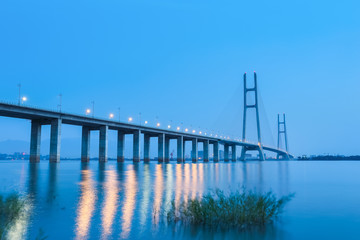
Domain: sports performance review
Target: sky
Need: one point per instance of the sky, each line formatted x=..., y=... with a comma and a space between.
x=182, y=62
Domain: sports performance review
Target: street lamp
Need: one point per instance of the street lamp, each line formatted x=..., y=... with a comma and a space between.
x=111, y=115
x=158, y=124
x=60, y=102
x=88, y=111
x=119, y=113
x=130, y=119
x=93, y=108
x=24, y=99
x=19, y=86
x=146, y=122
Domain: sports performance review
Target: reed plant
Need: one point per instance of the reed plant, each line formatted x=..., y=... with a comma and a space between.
x=235, y=209
x=11, y=209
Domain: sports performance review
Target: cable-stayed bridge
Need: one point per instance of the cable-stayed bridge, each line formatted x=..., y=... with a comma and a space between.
x=55, y=119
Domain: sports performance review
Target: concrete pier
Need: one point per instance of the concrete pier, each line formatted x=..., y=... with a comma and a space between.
x=55, y=140
x=206, y=150
x=85, y=144
x=184, y=147
x=161, y=147
x=261, y=153
x=216, y=151
x=146, y=148
x=180, y=149
x=167, y=149
x=120, y=146
x=194, y=152
x=136, y=146
x=233, y=153
x=35, y=140
x=226, y=152
x=103, y=143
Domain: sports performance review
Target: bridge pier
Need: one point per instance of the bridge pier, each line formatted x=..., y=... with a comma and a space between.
x=161, y=147
x=261, y=153
x=226, y=152
x=120, y=146
x=85, y=144
x=206, y=151
x=233, y=153
x=216, y=151
x=180, y=149
x=35, y=140
x=184, y=148
x=194, y=152
x=146, y=148
x=136, y=146
x=257, y=148
x=55, y=140
x=283, y=156
x=167, y=149
x=103, y=143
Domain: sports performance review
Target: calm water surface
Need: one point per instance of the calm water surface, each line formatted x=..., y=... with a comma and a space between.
x=72, y=200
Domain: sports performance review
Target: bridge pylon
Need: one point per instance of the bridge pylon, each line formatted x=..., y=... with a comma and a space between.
x=247, y=106
x=282, y=130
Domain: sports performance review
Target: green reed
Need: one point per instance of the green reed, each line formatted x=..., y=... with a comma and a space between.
x=236, y=209
x=11, y=209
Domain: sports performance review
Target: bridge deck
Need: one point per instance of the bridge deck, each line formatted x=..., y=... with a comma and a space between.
x=46, y=116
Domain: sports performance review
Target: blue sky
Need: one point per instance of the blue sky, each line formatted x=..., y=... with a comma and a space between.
x=183, y=61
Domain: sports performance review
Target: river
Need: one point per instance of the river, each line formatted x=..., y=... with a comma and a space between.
x=74, y=200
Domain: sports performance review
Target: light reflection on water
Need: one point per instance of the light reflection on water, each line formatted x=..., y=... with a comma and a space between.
x=72, y=200
x=110, y=205
x=130, y=189
x=86, y=204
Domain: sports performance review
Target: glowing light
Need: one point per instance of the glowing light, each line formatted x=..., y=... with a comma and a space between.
x=24, y=99
x=111, y=115
x=169, y=126
x=193, y=131
x=86, y=205
x=158, y=124
x=186, y=129
x=88, y=111
x=146, y=122
x=178, y=128
x=130, y=119
x=200, y=132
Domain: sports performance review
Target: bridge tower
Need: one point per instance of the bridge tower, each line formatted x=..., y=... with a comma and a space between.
x=282, y=130
x=246, y=107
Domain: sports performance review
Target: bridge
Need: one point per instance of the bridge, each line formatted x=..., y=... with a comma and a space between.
x=55, y=119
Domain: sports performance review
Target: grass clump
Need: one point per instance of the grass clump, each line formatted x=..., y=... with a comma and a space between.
x=237, y=209
x=11, y=209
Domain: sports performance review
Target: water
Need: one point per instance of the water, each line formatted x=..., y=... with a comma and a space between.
x=72, y=200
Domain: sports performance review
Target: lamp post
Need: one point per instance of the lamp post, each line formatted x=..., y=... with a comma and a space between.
x=119, y=113
x=60, y=102
x=23, y=99
x=19, y=86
